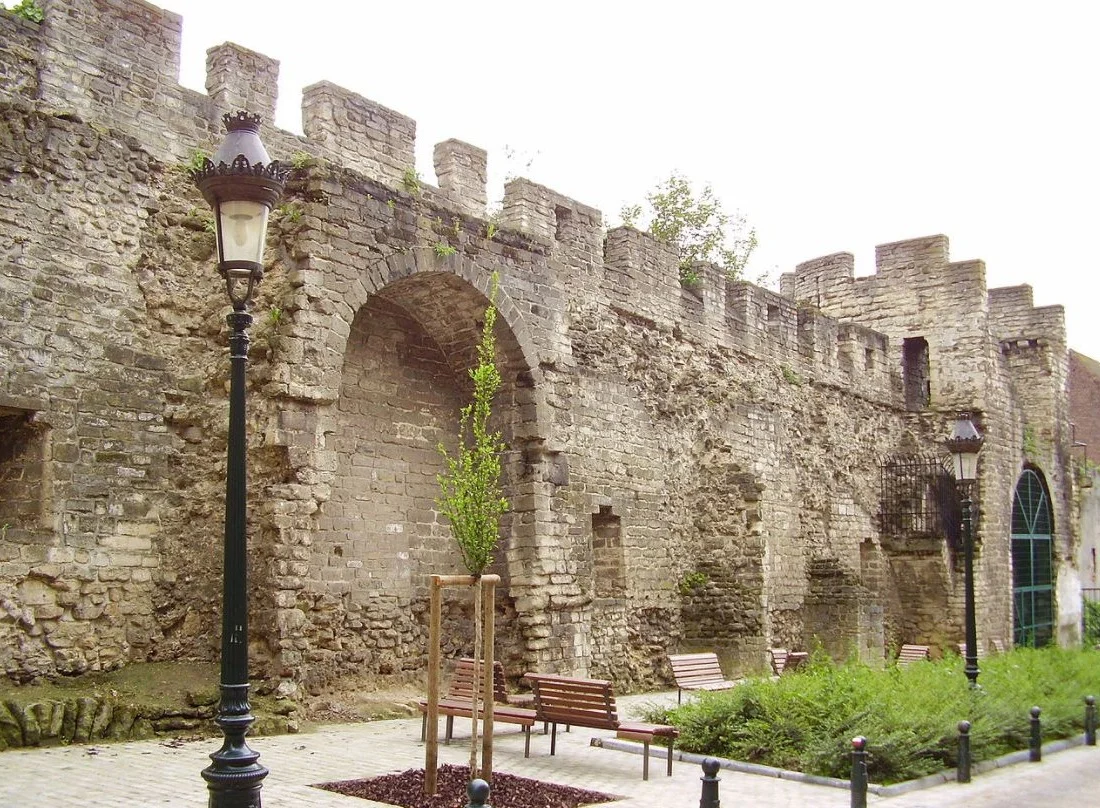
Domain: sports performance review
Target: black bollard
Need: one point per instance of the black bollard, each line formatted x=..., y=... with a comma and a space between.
x=477, y=791
x=1090, y=720
x=962, y=771
x=709, y=798
x=1036, y=745
x=859, y=772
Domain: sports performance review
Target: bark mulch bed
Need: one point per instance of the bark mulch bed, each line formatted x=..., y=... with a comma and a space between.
x=406, y=789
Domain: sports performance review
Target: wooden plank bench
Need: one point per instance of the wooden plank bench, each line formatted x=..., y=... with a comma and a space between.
x=784, y=661
x=591, y=703
x=913, y=653
x=458, y=701
x=962, y=650
x=698, y=672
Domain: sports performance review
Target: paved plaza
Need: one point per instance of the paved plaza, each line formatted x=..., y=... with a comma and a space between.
x=166, y=773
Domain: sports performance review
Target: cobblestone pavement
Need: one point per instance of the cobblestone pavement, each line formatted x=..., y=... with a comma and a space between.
x=166, y=773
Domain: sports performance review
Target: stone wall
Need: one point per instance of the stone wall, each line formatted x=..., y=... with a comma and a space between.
x=687, y=467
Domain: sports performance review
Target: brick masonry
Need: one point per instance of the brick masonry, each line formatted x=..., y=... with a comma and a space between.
x=687, y=467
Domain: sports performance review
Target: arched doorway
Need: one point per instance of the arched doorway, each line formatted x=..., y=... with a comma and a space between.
x=1032, y=562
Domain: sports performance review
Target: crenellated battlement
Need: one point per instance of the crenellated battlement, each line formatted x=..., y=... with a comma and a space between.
x=358, y=133
x=820, y=278
x=239, y=78
x=916, y=264
x=118, y=62
x=548, y=215
x=1013, y=316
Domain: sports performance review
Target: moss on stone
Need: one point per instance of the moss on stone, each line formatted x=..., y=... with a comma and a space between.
x=137, y=702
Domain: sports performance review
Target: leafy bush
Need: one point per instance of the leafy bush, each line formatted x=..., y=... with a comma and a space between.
x=1092, y=623
x=910, y=716
x=696, y=225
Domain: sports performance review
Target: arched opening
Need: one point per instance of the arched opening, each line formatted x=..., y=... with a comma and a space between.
x=1032, y=562
x=379, y=536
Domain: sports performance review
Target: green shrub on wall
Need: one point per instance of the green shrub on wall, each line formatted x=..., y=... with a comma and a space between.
x=27, y=9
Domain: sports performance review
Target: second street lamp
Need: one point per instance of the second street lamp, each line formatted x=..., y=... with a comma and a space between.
x=242, y=184
x=964, y=445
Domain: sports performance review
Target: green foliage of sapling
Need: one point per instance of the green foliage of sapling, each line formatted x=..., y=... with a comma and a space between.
x=470, y=494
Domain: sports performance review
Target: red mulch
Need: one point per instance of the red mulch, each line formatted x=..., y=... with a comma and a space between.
x=406, y=789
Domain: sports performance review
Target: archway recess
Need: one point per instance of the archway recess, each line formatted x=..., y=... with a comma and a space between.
x=380, y=536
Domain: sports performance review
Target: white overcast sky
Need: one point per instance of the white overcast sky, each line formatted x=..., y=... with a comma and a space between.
x=832, y=126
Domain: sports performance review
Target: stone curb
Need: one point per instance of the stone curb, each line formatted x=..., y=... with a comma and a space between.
x=928, y=781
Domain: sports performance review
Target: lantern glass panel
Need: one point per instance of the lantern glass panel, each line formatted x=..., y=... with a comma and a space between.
x=242, y=231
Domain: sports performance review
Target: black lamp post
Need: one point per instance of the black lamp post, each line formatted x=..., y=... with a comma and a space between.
x=964, y=444
x=242, y=184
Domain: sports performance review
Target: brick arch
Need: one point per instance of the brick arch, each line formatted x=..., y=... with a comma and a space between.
x=424, y=260
x=412, y=328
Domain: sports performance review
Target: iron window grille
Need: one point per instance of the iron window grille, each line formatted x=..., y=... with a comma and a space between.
x=919, y=499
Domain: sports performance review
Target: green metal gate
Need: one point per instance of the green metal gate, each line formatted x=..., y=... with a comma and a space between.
x=1032, y=562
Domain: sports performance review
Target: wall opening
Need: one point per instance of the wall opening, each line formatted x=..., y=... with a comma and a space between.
x=22, y=474
x=916, y=373
x=563, y=218
x=608, y=560
x=917, y=499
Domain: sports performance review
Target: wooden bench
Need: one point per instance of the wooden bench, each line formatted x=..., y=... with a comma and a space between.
x=784, y=661
x=698, y=672
x=962, y=650
x=591, y=703
x=458, y=701
x=913, y=653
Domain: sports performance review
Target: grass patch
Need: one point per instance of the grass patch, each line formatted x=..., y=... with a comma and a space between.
x=805, y=721
x=166, y=684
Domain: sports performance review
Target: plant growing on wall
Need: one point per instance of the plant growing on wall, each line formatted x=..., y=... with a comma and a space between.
x=1030, y=442
x=470, y=494
x=696, y=225
x=27, y=9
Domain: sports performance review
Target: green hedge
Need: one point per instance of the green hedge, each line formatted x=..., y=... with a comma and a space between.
x=805, y=721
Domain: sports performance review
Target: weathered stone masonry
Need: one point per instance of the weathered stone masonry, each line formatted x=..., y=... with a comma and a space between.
x=687, y=468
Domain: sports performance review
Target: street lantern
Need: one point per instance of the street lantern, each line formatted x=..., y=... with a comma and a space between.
x=242, y=184
x=964, y=445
